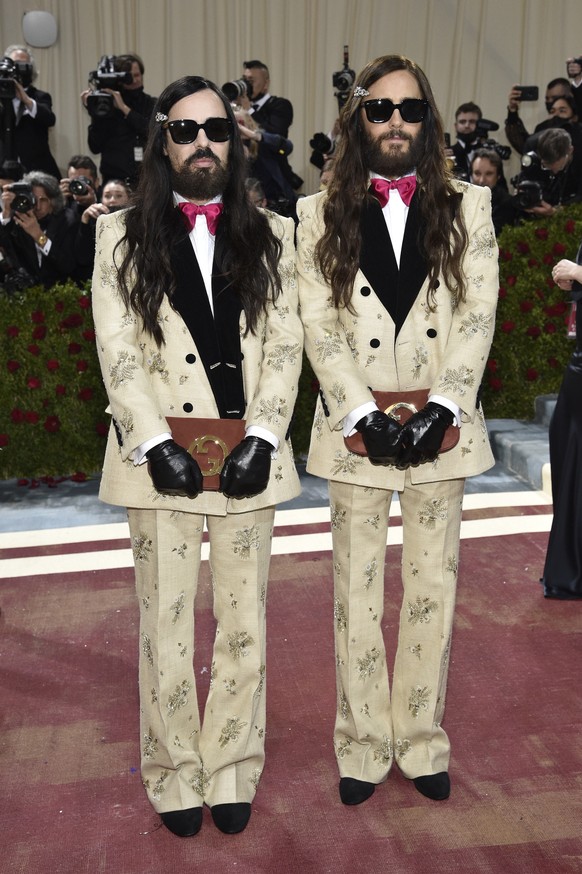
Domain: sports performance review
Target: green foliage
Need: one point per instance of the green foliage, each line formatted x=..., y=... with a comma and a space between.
x=304, y=409
x=52, y=398
x=530, y=347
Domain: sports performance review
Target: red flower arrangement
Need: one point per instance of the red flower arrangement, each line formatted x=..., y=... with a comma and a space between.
x=48, y=354
x=532, y=308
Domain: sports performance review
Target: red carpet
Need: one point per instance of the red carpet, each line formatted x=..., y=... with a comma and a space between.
x=72, y=800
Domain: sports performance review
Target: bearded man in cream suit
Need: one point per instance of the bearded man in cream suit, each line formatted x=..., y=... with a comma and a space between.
x=195, y=307
x=398, y=289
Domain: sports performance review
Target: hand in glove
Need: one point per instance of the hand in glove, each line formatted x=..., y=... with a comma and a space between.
x=422, y=435
x=247, y=468
x=380, y=434
x=173, y=470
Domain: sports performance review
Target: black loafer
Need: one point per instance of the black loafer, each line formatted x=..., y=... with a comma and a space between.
x=184, y=823
x=435, y=786
x=354, y=791
x=231, y=818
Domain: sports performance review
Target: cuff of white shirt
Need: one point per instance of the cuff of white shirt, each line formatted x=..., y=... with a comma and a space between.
x=445, y=402
x=138, y=455
x=354, y=417
x=257, y=431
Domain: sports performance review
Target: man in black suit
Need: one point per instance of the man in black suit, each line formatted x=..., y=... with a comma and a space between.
x=275, y=116
x=28, y=116
x=120, y=135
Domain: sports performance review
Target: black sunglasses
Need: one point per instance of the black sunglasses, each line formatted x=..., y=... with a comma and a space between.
x=185, y=130
x=412, y=110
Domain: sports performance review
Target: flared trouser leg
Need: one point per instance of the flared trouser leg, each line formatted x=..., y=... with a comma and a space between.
x=184, y=763
x=373, y=727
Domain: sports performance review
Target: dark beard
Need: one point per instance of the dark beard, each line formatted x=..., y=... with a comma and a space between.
x=200, y=183
x=395, y=162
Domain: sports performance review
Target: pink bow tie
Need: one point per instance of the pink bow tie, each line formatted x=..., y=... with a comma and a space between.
x=381, y=189
x=191, y=211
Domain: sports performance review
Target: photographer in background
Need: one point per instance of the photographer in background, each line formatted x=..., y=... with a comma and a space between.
x=26, y=116
x=116, y=195
x=515, y=130
x=273, y=115
x=467, y=118
x=550, y=176
x=40, y=228
x=486, y=170
x=119, y=132
x=574, y=71
x=80, y=187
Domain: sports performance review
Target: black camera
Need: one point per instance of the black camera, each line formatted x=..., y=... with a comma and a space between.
x=322, y=146
x=237, y=88
x=80, y=185
x=483, y=129
x=24, y=199
x=11, y=72
x=99, y=102
x=531, y=182
x=343, y=80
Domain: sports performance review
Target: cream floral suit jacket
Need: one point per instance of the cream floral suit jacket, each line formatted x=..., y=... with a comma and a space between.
x=145, y=382
x=444, y=350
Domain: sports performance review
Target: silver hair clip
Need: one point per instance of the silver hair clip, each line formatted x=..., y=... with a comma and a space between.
x=360, y=92
x=161, y=117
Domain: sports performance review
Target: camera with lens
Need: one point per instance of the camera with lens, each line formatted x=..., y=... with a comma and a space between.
x=343, y=80
x=483, y=129
x=99, y=102
x=531, y=182
x=24, y=199
x=80, y=185
x=12, y=72
x=237, y=88
x=321, y=146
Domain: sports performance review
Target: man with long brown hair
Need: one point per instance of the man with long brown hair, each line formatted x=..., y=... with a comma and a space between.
x=398, y=286
x=195, y=305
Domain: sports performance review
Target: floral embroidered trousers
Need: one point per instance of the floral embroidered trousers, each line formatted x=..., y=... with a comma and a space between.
x=185, y=763
x=374, y=727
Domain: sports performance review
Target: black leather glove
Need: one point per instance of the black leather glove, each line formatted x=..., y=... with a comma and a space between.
x=380, y=434
x=247, y=468
x=173, y=470
x=422, y=435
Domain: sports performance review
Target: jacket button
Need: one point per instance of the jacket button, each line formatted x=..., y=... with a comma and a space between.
x=431, y=333
x=436, y=283
x=187, y=408
x=190, y=358
x=374, y=343
x=364, y=291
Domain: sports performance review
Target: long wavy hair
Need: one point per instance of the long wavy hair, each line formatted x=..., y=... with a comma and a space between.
x=444, y=238
x=247, y=252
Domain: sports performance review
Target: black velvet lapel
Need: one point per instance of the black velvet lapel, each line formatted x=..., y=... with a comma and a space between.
x=397, y=289
x=377, y=260
x=413, y=267
x=216, y=337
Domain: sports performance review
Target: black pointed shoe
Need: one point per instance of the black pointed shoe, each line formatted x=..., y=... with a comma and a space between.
x=184, y=823
x=354, y=791
x=231, y=818
x=435, y=786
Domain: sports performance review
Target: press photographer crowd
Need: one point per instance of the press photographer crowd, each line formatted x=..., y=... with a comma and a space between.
x=47, y=228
